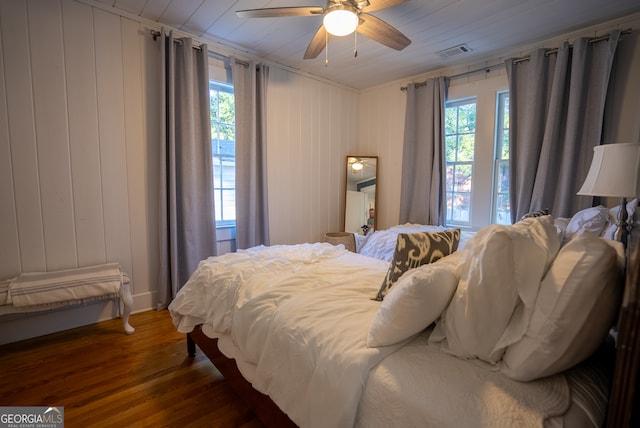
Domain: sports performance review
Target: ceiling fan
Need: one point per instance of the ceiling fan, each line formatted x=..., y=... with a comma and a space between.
x=358, y=164
x=340, y=18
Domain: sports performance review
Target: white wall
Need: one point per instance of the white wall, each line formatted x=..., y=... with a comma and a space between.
x=380, y=133
x=78, y=160
x=311, y=127
x=79, y=110
x=356, y=211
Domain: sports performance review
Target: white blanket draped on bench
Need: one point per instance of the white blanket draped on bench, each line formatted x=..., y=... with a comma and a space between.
x=36, y=291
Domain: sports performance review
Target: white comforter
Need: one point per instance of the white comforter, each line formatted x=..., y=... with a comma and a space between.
x=293, y=319
x=298, y=317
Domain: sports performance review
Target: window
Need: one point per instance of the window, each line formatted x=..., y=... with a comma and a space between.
x=477, y=152
x=501, y=207
x=460, y=129
x=223, y=148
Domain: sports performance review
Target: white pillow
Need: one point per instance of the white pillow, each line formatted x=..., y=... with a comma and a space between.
x=412, y=304
x=575, y=308
x=500, y=270
x=561, y=224
x=361, y=240
x=594, y=219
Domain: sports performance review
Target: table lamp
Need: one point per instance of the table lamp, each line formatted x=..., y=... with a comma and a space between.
x=615, y=172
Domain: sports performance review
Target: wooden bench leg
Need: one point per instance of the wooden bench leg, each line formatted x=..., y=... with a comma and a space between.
x=127, y=303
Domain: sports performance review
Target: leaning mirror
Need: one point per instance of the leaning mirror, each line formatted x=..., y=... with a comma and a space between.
x=360, y=198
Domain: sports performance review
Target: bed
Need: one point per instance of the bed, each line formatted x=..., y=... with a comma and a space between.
x=314, y=335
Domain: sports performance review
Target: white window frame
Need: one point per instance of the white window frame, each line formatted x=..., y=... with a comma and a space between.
x=456, y=163
x=500, y=216
x=223, y=158
x=484, y=88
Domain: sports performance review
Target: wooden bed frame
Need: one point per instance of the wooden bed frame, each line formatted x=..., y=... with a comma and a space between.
x=623, y=408
x=266, y=410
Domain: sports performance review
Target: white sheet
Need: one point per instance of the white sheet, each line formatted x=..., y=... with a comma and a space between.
x=210, y=295
x=293, y=320
x=420, y=386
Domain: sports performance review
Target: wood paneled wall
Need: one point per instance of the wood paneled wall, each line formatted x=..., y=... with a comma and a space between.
x=79, y=132
x=312, y=127
x=78, y=88
x=381, y=132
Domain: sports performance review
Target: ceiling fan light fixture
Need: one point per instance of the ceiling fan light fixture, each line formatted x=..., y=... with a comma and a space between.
x=340, y=20
x=357, y=166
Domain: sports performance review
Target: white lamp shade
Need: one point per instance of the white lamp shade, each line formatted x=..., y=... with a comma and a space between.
x=341, y=20
x=614, y=171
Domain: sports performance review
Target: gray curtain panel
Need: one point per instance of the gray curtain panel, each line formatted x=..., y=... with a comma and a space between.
x=187, y=216
x=422, y=191
x=252, y=210
x=557, y=105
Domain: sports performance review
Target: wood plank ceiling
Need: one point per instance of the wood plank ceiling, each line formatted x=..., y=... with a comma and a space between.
x=490, y=28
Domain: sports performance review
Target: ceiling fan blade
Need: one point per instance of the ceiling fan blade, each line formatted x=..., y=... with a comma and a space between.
x=317, y=44
x=276, y=12
x=380, y=4
x=380, y=31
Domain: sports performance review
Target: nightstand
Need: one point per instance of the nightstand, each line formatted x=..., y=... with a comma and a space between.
x=345, y=238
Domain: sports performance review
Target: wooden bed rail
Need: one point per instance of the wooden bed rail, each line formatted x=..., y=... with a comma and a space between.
x=266, y=410
x=623, y=402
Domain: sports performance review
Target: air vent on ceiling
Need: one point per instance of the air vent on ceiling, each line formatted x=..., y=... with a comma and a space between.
x=456, y=50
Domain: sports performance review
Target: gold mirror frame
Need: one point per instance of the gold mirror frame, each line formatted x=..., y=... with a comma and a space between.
x=361, y=194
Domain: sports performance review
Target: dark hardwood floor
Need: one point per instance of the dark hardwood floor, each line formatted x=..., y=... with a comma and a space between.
x=105, y=378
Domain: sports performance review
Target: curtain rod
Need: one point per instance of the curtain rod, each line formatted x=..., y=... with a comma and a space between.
x=155, y=34
x=486, y=69
x=591, y=41
x=501, y=65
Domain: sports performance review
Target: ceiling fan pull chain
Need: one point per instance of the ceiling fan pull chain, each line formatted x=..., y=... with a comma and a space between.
x=355, y=48
x=326, y=49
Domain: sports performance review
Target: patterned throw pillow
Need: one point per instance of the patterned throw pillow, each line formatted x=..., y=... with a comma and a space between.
x=539, y=213
x=416, y=249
